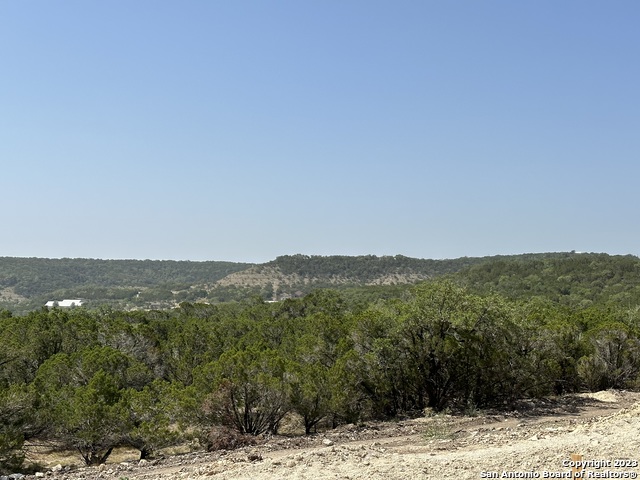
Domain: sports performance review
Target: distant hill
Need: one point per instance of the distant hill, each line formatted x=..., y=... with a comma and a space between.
x=296, y=275
x=567, y=278
x=27, y=283
x=576, y=279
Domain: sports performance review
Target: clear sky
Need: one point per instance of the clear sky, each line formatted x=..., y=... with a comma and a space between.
x=243, y=130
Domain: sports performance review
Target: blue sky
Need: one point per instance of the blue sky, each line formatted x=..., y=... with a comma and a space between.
x=244, y=130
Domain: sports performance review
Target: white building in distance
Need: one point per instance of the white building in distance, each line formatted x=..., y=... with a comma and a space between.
x=64, y=303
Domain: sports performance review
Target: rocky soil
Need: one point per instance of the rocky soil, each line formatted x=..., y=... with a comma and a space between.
x=533, y=441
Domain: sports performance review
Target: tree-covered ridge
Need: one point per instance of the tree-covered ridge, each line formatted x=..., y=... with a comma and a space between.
x=37, y=276
x=568, y=278
x=574, y=279
x=26, y=283
x=295, y=275
x=366, y=268
x=36, y=280
x=291, y=276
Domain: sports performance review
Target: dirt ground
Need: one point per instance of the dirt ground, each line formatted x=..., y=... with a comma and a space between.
x=534, y=441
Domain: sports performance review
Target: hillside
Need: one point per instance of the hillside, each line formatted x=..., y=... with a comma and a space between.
x=578, y=280
x=566, y=278
x=27, y=283
x=296, y=275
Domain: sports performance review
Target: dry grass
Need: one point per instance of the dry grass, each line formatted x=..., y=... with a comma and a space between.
x=50, y=456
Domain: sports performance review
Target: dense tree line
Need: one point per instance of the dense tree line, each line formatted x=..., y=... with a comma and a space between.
x=365, y=268
x=574, y=279
x=37, y=276
x=568, y=278
x=37, y=280
x=93, y=380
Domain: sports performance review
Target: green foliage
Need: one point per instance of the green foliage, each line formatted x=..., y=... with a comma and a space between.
x=349, y=400
x=311, y=393
x=81, y=396
x=151, y=413
x=97, y=379
x=567, y=278
x=366, y=267
x=77, y=369
x=188, y=344
x=577, y=280
x=37, y=280
x=615, y=361
x=437, y=429
x=16, y=423
x=248, y=390
x=437, y=331
x=91, y=418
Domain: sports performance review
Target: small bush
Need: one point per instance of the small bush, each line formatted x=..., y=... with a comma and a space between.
x=224, y=438
x=437, y=429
